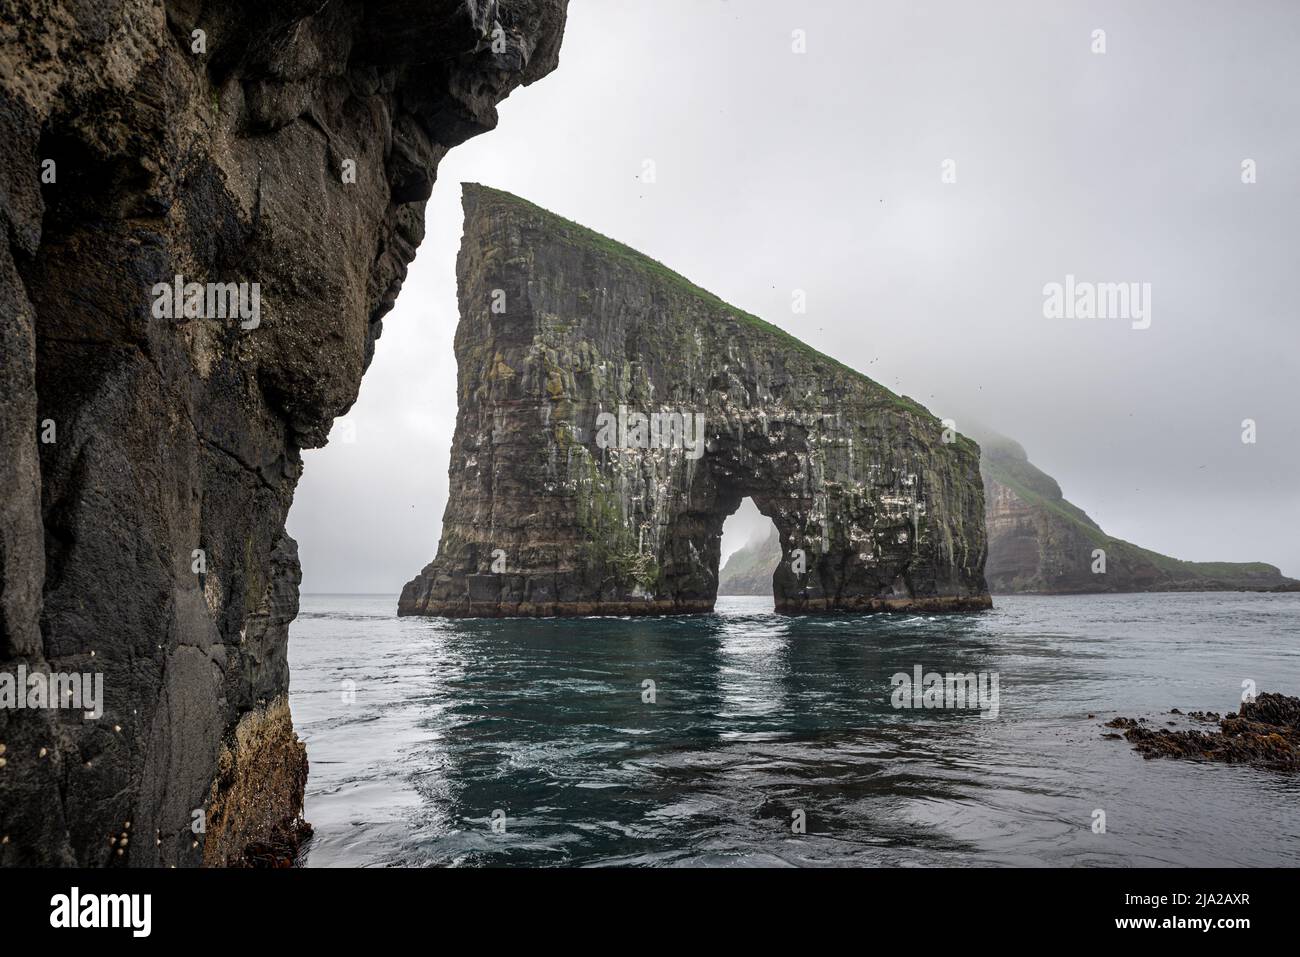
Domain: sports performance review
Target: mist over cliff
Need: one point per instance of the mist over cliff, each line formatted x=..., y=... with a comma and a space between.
x=934, y=289
x=612, y=414
x=1041, y=543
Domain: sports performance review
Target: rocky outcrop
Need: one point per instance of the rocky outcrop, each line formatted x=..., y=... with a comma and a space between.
x=612, y=415
x=1265, y=734
x=1041, y=543
x=149, y=447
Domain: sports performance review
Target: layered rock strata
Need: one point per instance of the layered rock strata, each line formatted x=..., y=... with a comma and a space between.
x=612, y=415
x=1040, y=542
x=279, y=156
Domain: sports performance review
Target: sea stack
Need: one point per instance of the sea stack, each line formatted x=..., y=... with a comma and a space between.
x=579, y=482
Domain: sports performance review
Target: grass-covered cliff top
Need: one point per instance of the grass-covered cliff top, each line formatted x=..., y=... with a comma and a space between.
x=581, y=235
x=1004, y=460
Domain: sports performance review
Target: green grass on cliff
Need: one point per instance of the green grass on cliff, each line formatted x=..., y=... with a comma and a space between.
x=579, y=234
x=1036, y=486
x=1040, y=490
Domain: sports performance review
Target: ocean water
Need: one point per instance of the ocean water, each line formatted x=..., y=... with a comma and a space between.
x=421, y=731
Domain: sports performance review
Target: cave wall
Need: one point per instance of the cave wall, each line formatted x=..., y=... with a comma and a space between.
x=288, y=143
x=877, y=506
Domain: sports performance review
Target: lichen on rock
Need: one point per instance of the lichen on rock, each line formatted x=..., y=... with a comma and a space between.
x=262, y=765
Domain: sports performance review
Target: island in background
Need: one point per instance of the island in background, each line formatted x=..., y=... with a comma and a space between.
x=1041, y=543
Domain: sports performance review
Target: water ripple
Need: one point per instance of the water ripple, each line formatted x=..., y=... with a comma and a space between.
x=420, y=731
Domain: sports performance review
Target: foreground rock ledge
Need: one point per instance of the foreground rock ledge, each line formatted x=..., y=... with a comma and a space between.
x=553, y=512
x=288, y=143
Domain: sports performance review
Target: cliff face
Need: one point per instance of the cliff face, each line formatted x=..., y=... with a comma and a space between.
x=1040, y=542
x=149, y=447
x=748, y=570
x=564, y=501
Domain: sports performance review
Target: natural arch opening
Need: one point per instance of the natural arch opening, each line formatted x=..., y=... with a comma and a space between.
x=612, y=415
x=751, y=550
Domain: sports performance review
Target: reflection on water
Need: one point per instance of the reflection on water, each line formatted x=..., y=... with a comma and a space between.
x=757, y=717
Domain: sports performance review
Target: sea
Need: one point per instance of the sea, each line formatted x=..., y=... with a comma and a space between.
x=745, y=738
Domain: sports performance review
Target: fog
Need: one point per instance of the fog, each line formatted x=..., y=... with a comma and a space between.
x=823, y=171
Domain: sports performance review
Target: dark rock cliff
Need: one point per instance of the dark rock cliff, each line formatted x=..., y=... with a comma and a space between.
x=553, y=510
x=1042, y=543
x=148, y=462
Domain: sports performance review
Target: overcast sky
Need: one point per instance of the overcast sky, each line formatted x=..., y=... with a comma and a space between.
x=822, y=171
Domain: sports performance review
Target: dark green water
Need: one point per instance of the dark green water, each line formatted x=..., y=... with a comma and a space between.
x=419, y=729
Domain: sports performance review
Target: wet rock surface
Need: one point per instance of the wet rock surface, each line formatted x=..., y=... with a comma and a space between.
x=1265, y=734
x=149, y=461
x=552, y=513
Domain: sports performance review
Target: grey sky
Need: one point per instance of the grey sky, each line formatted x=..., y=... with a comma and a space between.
x=821, y=171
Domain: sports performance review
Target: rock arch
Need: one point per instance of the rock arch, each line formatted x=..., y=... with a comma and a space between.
x=572, y=494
